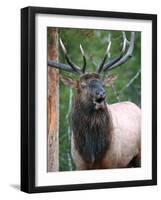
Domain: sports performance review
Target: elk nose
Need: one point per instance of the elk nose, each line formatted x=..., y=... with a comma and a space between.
x=100, y=93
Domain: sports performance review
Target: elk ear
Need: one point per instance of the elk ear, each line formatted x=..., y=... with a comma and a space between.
x=108, y=81
x=69, y=82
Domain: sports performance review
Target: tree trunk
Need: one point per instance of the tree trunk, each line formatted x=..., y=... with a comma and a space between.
x=53, y=104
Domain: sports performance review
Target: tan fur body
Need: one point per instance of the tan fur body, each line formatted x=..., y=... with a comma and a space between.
x=125, y=142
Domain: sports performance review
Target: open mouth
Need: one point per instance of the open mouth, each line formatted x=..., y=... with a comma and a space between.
x=99, y=100
x=99, y=103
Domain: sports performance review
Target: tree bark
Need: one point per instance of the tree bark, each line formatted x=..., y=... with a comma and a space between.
x=53, y=104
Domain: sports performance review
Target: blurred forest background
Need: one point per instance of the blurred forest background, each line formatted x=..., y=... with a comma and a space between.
x=127, y=87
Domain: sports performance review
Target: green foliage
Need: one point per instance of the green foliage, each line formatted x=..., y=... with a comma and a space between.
x=94, y=43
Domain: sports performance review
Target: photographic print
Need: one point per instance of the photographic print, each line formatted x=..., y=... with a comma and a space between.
x=88, y=99
x=95, y=107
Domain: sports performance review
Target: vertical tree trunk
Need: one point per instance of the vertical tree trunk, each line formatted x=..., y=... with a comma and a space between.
x=53, y=104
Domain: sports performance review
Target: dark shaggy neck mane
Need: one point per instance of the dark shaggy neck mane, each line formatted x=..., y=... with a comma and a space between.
x=91, y=130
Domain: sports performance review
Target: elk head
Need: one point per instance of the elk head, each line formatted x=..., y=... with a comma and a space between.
x=91, y=86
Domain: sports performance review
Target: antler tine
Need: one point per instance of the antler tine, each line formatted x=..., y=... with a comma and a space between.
x=123, y=57
x=114, y=60
x=124, y=42
x=84, y=59
x=73, y=66
x=100, y=67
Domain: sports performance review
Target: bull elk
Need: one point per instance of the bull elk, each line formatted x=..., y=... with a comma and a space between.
x=103, y=136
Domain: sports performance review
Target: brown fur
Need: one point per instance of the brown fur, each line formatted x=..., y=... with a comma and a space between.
x=91, y=130
x=123, y=149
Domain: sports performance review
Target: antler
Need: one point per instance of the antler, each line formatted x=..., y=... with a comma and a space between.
x=84, y=59
x=100, y=67
x=71, y=67
x=122, y=58
x=125, y=54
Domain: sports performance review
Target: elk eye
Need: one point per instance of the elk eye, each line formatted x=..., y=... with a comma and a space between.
x=83, y=84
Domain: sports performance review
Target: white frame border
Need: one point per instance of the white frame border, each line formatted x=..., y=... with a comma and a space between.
x=42, y=178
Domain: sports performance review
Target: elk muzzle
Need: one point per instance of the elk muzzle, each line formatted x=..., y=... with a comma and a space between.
x=99, y=98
